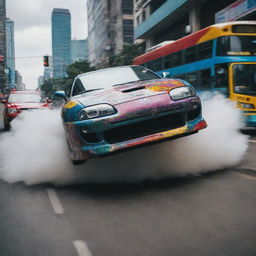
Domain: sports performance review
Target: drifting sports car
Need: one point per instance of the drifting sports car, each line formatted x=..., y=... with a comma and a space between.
x=121, y=108
x=18, y=101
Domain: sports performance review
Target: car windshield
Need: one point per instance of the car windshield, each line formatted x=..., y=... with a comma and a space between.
x=107, y=78
x=245, y=78
x=24, y=98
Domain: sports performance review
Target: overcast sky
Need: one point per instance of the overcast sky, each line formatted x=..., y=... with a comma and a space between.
x=32, y=21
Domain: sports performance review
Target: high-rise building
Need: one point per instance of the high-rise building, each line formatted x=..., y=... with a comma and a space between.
x=2, y=45
x=10, y=53
x=20, y=85
x=61, y=41
x=110, y=26
x=79, y=50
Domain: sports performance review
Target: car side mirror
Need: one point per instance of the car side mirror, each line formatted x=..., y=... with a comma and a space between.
x=165, y=74
x=61, y=94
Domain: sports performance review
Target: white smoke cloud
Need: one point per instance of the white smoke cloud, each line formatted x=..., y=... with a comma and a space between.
x=35, y=151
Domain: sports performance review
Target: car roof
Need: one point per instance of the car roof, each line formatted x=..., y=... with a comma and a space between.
x=24, y=92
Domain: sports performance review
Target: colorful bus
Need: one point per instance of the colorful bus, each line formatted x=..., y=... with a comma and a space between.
x=221, y=57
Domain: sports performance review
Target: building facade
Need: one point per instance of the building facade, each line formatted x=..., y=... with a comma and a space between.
x=79, y=50
x=163, y=20
x=19, y=84
x=10, y=54
x=110, y=26
x=2, y=45
x=61, y=41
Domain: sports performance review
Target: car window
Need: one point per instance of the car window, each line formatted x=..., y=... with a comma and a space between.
x=78, y=87
x=107, y=78
x=24, y=98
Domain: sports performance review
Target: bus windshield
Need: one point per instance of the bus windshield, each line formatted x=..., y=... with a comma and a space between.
x=244, y=76
x=236, y=45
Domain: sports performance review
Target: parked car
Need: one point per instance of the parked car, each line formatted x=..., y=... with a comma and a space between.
x=116, y=109
x=18, y=101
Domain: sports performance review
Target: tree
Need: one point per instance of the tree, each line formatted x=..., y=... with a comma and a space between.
x=126, y=56
x=79, y=67
x=64, y=84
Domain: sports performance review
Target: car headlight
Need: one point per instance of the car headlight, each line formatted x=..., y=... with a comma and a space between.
x=181, y=93
x=12, y=110
x=96, y=111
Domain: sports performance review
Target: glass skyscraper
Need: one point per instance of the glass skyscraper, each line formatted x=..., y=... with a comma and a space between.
x=61, y=41
x=10, y=53
x=2, y=45
x=79, y=50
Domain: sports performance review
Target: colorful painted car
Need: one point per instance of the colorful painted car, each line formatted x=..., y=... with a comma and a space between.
x=18, y=101
x=116, y=109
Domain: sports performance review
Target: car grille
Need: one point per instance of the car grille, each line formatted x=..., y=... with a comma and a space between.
x=27, y=109
x=144, y=128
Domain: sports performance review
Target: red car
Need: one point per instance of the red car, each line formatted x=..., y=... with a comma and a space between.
x=18, y=101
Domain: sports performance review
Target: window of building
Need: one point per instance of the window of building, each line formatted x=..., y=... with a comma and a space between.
x=127, y=6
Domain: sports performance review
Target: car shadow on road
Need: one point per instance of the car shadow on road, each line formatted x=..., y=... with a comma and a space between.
x=122, y=189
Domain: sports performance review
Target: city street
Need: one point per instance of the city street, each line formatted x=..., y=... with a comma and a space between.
x=128, y=128
x=212, y=214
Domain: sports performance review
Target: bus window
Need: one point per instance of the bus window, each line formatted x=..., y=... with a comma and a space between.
x=156, y=65
x=190, y=54
x=205, y=50
x=244, y=79
x=168, y=61
x=236, y=45
x=176, y=58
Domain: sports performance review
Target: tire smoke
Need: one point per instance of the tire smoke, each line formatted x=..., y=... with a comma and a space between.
x=35, y=151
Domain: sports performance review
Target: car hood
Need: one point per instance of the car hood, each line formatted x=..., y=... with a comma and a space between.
x=129, y=92
x=28, y=105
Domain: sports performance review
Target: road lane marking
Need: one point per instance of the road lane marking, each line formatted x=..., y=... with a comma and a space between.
x=252, y=141
x=55, y=201
x=82, y=248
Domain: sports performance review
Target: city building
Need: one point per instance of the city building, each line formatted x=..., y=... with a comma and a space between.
x=10, y=54
x=61, y=41
x=79, y=50
x=19, y=84
x=2, y=45
x=110, y=26
x=162, y=20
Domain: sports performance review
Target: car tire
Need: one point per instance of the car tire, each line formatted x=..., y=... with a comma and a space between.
x=7, y=126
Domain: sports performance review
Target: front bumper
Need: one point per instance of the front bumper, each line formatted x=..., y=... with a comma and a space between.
x=90, y=138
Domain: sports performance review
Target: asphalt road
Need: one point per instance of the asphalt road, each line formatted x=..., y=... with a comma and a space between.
x=213, y=214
